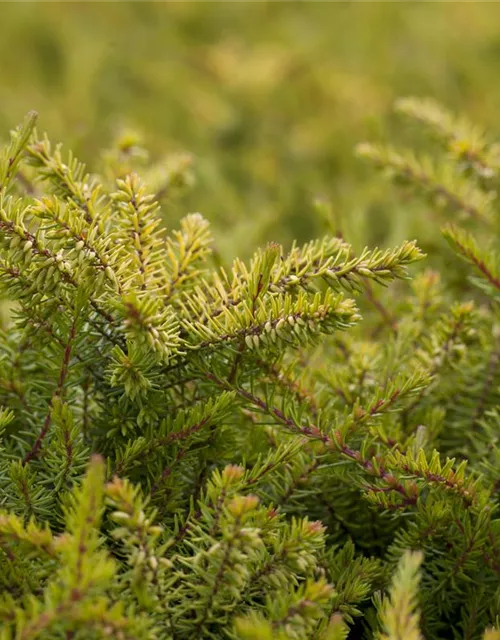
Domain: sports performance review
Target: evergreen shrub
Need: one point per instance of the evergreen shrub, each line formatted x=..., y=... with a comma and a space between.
x=195, y=451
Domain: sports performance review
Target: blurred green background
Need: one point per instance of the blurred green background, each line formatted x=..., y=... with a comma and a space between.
x=270, y=98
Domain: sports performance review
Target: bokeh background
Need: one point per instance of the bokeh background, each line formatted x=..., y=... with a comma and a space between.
x=269, y=98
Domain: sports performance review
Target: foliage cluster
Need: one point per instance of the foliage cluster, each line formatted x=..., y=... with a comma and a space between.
x=196, y=451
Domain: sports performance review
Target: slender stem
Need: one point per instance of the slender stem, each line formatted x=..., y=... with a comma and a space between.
x=63, y=373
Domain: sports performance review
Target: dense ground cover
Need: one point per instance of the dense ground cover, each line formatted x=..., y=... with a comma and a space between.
x=276, y=447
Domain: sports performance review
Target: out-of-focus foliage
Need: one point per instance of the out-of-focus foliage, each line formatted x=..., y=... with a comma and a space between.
x=269, y=97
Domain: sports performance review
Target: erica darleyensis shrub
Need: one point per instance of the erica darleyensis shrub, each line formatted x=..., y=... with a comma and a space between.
x=192, y=450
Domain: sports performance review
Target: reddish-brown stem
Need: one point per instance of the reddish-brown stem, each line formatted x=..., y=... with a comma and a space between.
x=63, y=373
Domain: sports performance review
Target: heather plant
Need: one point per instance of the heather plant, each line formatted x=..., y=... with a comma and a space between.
x=196, y=451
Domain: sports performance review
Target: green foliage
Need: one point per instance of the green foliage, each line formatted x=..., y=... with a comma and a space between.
x=278, y=449
x=268, y=98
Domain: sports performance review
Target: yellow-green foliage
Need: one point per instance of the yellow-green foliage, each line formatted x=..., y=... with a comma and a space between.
x=269, y=98
x=191, y=451
x=292, y=444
